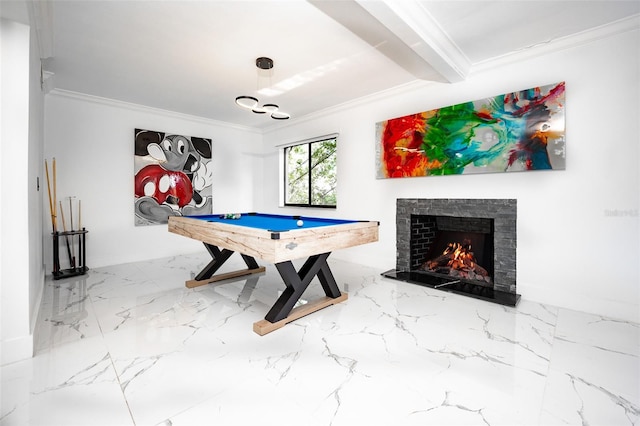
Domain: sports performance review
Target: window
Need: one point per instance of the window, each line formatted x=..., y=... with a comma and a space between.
x=310, y=173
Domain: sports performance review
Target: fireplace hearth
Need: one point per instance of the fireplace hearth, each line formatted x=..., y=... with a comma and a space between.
x=464, y=246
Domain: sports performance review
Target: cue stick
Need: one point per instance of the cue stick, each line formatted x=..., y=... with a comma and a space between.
x=53, y=216
x=72, y=259
x=72, y=230
x=80, y=260
x=73, y=263
x=55, y=192
x=71, y=214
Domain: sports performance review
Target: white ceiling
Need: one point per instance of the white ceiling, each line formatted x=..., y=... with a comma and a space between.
x=195, y=57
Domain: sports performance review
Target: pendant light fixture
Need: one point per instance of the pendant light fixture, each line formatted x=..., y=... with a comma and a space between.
x=252, y=103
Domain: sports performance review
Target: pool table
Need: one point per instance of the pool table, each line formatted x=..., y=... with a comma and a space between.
x=278, y=239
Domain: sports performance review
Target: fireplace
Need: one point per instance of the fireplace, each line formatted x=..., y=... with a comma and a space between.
x=456, y=247
x=465, y=246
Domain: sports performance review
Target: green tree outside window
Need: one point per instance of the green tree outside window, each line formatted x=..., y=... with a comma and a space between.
x=310, y=174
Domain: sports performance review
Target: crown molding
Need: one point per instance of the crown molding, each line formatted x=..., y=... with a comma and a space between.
x=46, y=80
x=68, y=94
x=631, y=23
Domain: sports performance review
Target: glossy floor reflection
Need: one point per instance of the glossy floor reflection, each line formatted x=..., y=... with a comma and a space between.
x=130, y=345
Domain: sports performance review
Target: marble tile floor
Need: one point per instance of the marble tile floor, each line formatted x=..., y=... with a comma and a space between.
x=130, y=345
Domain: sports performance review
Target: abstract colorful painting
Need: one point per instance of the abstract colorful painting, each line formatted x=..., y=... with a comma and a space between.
x=517, y=131
x=173, y=176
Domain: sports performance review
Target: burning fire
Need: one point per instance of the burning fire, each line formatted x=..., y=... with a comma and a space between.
x=458, y=260
x=461, y=255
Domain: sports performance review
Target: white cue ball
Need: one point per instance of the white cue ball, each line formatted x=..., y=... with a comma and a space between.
x=300, y=223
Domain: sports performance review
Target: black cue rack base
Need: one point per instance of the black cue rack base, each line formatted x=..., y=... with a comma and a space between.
x=77, y=264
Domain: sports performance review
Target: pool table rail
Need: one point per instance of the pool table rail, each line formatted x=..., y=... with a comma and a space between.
x=293, y=244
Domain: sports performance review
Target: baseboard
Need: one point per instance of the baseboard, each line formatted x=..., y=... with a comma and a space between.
x=16, y=349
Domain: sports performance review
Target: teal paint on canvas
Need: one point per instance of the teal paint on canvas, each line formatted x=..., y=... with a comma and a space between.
x=517, y=131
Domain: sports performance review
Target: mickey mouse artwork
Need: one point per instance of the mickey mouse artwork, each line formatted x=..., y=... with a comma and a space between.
x=173, y=176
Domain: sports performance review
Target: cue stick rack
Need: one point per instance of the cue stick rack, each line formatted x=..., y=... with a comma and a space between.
x=79, y=268
x=74, y=239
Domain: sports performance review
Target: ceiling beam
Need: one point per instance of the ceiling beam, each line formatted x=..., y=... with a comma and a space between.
x=414, y=25
x=403, y=31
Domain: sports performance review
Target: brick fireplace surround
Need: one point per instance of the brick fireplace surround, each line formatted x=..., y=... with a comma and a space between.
x=503, y=212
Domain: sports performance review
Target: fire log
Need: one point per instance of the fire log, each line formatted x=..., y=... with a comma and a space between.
x=480, y=270
x=441, y=260
x=456, y=258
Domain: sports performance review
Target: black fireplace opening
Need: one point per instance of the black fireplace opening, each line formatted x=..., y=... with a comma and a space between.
x=459, y=249
x=462, y=246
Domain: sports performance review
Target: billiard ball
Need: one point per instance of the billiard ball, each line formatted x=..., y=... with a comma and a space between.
x=300, y=223
x=231, y=216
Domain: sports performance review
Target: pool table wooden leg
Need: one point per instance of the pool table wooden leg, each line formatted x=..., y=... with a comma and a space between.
x=296, y=283
x=207, y=276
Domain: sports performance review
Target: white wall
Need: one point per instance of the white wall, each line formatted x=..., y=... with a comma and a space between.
x=21, y=270
x=92, y=140
x=572, y=251
x=566, y=226
x=35, y=182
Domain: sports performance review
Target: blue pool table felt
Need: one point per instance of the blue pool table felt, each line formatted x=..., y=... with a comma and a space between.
x=272, y=222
